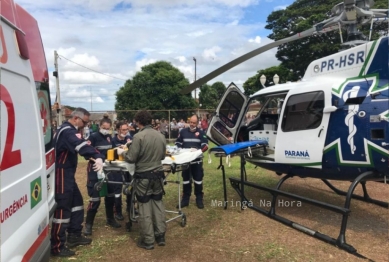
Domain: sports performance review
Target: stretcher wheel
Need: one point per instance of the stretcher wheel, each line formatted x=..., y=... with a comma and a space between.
x=183, y=220
x=98, y=186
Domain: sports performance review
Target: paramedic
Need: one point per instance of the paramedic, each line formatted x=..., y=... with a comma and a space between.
x=102, y=142
x=69, y=214
x=193, y=137
x=119, y=140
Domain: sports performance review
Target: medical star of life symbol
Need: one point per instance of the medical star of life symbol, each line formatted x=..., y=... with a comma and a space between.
x=349, y=120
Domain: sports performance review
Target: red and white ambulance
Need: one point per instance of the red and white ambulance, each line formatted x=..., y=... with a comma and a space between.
x=27, y=155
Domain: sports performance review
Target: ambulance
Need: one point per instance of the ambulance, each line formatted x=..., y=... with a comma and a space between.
x=27, y=155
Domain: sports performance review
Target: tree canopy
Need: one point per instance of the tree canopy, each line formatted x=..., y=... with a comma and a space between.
x=210, y=96
x=155, y=87
x=300, y=16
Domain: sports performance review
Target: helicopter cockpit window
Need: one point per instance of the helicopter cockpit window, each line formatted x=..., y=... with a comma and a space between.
x=230, y=109
x=263, y=112
x=303, y=111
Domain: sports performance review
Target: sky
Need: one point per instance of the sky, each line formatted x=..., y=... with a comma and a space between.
x=103, y=43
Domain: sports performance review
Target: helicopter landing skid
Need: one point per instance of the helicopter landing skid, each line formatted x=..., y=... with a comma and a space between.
x=240, y=184
x=364, y=198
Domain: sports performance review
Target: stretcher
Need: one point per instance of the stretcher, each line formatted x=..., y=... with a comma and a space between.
x=176, y=161
x=237, y=149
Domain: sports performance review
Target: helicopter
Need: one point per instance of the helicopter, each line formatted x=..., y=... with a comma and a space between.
x=331, y=125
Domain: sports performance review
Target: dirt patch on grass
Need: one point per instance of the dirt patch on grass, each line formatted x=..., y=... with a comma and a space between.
x=215, y=234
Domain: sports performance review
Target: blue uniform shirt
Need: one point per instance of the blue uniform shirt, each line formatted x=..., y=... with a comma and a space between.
x=117, y=142
x=188, y=139
x=67, y=143
x=101, y=142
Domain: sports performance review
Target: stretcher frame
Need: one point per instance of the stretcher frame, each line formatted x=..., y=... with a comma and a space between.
x=177, y=169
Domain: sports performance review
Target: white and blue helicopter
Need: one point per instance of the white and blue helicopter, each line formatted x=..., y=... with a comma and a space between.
x=331, y=125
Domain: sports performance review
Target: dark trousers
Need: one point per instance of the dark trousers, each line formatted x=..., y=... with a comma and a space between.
x=195, y=172
x=69, y=214
x=117, y=188
x=94, y=201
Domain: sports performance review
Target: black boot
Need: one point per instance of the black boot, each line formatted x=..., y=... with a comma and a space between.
x=90, y=218
x=160, y=239
x=118, y=208
x=109, y=204
x=184, y=202
x=88, y=230
x=199, y=203
x=144, y=245
x=77, y=240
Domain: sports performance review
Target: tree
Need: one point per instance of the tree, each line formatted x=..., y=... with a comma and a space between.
x=253, y=84
x=156, y=87
x=210, y=96
x=220, y=89
x=300, y=16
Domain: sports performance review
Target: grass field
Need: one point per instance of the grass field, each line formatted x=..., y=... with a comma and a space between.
x=215, y=234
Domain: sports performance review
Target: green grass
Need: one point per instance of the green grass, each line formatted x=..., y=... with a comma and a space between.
x=208, y=232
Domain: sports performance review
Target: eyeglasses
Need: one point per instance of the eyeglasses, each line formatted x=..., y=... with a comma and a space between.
x=193, y=123
x=84, y=122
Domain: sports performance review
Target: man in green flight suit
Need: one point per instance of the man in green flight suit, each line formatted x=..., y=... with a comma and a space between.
x=147, y=150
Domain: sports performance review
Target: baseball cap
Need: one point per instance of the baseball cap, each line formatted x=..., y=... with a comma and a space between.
x=173, y=119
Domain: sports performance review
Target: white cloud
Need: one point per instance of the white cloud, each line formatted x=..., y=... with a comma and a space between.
x=86, y=60
x=257, y=40
x=118, y=37
x=74, y=77
x=210, y=54
x=143, y=62
x=181, y=58
x=280, y=7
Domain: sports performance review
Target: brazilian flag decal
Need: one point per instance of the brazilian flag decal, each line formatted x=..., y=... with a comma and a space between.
x=36, y=192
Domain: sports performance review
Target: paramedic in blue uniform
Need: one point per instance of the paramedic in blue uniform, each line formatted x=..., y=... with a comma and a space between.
x=119, y=140
x=193, y=137
x=69, y=214
x=102, y=141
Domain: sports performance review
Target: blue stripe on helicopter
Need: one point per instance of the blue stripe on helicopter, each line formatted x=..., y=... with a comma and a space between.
x=234, y=148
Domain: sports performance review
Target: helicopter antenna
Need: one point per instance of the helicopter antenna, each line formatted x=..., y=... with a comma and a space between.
x=347, y=14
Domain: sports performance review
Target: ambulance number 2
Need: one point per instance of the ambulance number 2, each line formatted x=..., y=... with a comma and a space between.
x=10, y=158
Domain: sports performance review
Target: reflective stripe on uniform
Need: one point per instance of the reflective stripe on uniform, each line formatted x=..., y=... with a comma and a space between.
x=81, y=145
x=117, y=195
x=186, y=182
x=94, y=199
x=61, y=221
x=195, y=140
x=198, y=182
x=104, y=147
x=77, y=208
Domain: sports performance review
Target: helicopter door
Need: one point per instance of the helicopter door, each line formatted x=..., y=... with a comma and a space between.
x=226, y=122
x=302, y=132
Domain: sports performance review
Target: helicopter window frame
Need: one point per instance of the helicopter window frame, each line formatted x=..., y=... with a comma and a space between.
x=309, y=116
x=265, y=99
x=229, y=105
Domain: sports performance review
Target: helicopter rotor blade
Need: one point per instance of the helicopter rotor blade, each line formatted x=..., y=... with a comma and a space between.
x=318, y=28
